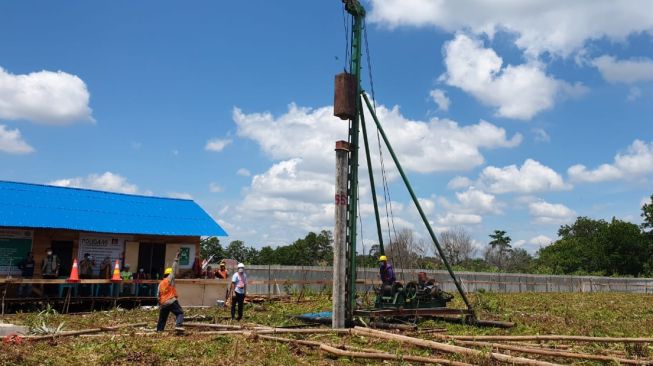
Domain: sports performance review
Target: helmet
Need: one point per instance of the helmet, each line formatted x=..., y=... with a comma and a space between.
x=167, y=271
x=240, y=265
x=383, y=258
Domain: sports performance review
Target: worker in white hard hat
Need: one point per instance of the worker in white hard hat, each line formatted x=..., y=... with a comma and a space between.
x=386, y=271
x=238, y=291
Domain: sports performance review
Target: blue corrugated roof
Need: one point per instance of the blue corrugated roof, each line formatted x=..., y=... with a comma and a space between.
x=43, y=206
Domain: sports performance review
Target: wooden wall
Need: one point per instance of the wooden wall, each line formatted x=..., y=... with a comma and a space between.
x=43, y=239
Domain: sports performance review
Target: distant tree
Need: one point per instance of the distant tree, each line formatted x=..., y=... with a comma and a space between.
x=597, y=247
x=500, y=241
x=267, y=255
x=499, y=249
x=236, y=250
x=211, y=247
x=405, y=251
x=519, y=261
x=647, y=215
x=457, y=245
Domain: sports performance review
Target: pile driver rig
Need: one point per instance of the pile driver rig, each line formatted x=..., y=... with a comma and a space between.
x=416, y=298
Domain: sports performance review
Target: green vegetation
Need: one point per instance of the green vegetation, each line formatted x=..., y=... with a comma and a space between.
x=586, y=247
x=591, y=314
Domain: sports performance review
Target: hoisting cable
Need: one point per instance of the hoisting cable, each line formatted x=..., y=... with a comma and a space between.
x=386, y=191
x=345, y=15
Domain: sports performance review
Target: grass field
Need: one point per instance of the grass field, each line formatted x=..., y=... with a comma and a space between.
x=598, y=314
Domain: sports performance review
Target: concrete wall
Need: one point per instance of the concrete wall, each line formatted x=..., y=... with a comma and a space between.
x=472, y=281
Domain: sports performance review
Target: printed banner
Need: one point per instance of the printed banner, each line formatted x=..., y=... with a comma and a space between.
x=101, y=247
x=14, y=246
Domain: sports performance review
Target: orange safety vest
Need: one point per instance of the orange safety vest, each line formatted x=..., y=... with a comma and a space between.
x=166, y=291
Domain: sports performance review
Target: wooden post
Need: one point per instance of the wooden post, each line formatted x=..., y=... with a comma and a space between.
x=340, y=236
x=269, y=281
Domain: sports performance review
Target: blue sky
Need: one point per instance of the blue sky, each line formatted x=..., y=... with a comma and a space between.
x=507, y=115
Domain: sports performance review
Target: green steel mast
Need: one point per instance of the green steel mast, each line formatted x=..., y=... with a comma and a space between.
x=357, y=12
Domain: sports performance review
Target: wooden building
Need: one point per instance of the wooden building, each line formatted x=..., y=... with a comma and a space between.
x=142, y=231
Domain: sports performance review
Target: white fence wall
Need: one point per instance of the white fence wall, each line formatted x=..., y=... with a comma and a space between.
x=281, y=279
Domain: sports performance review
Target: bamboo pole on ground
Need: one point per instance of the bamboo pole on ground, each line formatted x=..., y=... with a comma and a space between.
x=388, y=356
x=451, y=348
x=278, y=331
x=81, y=332
x=216, y=326
x=550, y=352
x=540, y=338
x=368, y=353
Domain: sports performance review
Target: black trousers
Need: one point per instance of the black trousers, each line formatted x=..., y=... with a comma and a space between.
x=164, y=311
x=237, y=299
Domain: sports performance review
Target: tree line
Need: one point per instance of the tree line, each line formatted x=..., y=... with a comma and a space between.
x=586, y=247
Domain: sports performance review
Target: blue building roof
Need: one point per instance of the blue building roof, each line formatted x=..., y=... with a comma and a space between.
x=41, y=206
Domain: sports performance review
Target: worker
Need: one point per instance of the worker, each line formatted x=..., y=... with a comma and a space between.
x=86, y=272
x=386, y=271
x=50, y=265
x=168, y=302
x=238, y=291
x=50, y=270
x=127, y=275
x=208, y=273
x=26, y=266
x=86, y=267
x=106, y=270
x=222, y=273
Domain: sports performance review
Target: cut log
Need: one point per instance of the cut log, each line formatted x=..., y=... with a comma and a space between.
x=550, y=352
x=215, y=326
x=541, y=338
x=388, y=356
x=450, y=348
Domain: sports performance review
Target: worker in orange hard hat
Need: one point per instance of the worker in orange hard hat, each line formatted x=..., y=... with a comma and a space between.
x=386, y=271
x=168, y=302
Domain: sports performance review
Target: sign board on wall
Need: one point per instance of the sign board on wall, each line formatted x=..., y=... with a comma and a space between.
x=100, y=247
x=14, y=246
x=186, y=255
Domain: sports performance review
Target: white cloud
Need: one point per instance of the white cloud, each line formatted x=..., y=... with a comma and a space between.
x=540, y=240
x=55, y=98
x=436, y=145
x=478, y=201
x=287, y=179
x=214, y=187
x=558, y=27
x=518, y=92
x=107, y=181
x=637, y=161
x=296, y=193
x=532, y=176
x=453, y=219
x=550, y=213
x=645, y=201
x=12, y=142
x=243, y=172
x=624, y=71
x=440, y=98
x=217, y=144
x=541, y=135
x=459, y=182
x=180, y=195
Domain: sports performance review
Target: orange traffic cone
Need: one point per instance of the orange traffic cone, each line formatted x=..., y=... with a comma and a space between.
x=74, y=275
x=116, y=272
